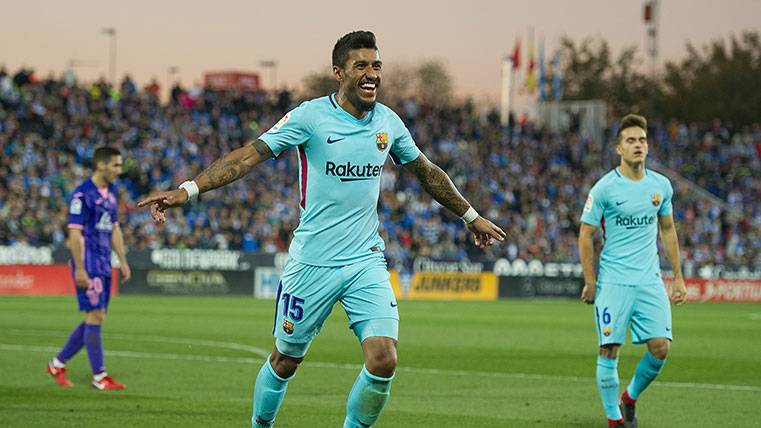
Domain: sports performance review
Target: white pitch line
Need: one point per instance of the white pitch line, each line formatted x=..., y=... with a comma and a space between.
x=418, y=370
x=157, y=339
x=133, y=354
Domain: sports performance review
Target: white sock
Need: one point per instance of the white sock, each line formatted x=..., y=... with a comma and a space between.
x=98, y=377
x=57, y=363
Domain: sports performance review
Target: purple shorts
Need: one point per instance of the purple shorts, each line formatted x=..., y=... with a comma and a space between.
x=96, y=295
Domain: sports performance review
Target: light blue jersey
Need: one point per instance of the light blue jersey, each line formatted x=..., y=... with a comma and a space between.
x=628, y=213
x=341, y=159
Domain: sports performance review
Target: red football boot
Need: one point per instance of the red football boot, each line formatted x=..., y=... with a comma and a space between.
x=107, y=383
x=59, y=375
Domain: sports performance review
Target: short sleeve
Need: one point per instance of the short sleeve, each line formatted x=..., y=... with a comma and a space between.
x=594, y=207
x=403, y=149
x=294, y=129
x=76, y=219
x=666, y=206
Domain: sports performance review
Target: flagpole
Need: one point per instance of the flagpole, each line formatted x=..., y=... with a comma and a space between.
x=507, y=91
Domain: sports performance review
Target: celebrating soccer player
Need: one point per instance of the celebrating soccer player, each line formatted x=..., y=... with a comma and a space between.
x=93, y=232
x=343, y=141
x=631, y=204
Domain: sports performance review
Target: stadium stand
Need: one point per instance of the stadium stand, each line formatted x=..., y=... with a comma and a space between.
x=532, y=182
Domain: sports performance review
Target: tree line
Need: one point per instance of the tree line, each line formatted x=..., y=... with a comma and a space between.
x=720, y=80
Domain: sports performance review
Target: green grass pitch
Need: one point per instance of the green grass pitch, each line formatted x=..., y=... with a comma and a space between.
x=191, y=362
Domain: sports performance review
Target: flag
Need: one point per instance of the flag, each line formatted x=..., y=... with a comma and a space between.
x=557, y=82
x=516, y=56
x=541, y=71
x=531, y=66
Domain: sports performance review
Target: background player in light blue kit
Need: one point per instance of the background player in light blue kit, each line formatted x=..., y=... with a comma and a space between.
x=93, y=232
x=343, y=141
x=631, y=204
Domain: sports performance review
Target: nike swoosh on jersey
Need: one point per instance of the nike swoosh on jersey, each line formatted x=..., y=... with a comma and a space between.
x=336, y=140
x=393, y=305
x=619, y=203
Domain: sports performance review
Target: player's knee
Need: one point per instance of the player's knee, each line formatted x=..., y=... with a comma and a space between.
x=383, y=366
x=284, y=365
x=381, y=360
x=659, y=348
x=609, y=351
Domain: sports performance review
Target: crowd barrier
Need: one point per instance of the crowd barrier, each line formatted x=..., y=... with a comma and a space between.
x=45, y=271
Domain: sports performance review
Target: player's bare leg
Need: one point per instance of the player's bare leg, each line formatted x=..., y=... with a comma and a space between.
x=284, y=365
x=372, y=388
x=647, y=370
x=271, y=385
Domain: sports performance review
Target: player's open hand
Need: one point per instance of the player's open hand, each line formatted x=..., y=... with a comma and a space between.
x=678, y=291
x=485, y=232
x=588, y=294
x=161, y=201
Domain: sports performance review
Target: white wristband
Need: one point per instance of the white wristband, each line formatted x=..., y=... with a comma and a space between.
x=192, y=188
x=469, y=216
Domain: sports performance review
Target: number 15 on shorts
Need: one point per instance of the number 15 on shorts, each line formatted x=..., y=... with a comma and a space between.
x=292, y=307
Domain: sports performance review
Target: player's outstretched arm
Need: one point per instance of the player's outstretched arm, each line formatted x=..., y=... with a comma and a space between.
x=438, y=184
x=225, y=170
x=667, y=229
x=587, y=255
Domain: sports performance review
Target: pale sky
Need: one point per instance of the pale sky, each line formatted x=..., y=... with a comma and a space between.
x=469, y=36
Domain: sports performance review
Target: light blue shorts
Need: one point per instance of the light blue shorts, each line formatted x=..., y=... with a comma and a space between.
x=306, y=296
x=647, y=307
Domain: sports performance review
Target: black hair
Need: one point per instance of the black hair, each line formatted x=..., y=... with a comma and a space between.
x=631, y=120
x=104, y=154
x=355, y=40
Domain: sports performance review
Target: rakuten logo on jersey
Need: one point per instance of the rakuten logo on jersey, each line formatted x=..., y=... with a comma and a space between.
x=632, y=222
x=351, y=172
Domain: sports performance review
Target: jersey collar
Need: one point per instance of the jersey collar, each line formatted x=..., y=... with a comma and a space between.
x=334, y=102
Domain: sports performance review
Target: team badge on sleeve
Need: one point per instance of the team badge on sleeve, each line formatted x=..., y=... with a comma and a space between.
x=607, y=331
x=76, y=206
x=287, y=327
x=655, y=199
x=381, y=140
x=280, y=122
x=588, y=205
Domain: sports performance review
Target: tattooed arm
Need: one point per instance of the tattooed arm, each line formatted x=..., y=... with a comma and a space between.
x=233, y=166
x=225, y=170
x=438, y=184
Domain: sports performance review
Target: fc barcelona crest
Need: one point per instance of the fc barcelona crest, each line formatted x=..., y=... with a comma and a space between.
x=287, y=327
x=655, y=199
x=381, y=140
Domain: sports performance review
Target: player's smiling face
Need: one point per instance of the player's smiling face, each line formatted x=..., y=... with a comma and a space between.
x=360, y=78
x=632, y=145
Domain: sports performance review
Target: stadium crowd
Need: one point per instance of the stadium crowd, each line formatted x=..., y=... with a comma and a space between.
x=531, y=182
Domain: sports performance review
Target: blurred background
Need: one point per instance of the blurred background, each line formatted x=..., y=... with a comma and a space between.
x=517, y=101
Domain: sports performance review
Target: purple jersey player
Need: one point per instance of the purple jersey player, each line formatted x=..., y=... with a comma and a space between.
x=93, y=232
